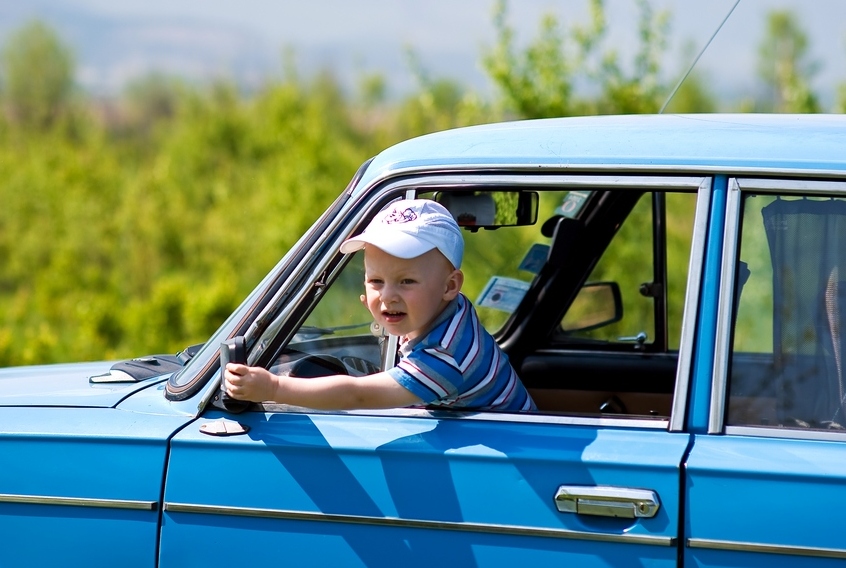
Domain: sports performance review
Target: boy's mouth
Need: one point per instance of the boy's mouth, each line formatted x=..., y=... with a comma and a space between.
x=392, y=317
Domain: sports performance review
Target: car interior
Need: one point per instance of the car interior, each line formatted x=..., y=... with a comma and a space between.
x=575, y=285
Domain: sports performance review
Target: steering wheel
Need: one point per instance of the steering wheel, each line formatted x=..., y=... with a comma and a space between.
x=308, y=365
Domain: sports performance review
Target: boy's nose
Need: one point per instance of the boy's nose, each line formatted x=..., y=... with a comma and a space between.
x=388, y=295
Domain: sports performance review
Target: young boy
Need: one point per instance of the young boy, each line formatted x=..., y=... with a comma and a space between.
x=412, y=258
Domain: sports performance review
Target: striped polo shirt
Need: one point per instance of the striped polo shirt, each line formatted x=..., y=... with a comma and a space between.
x=458, y=364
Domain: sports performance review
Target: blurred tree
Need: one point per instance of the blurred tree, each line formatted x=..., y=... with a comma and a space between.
x=372, y=89
x=437, y=105
x=152, y=97
x=540, y=81
x=38, y=74
x=784, y=67
x=641, y=90
x=693, y=95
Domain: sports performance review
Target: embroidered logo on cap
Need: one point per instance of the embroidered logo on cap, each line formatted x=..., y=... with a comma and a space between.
x=397, y=216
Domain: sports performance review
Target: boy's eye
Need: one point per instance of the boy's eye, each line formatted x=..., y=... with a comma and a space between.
x=407, y=281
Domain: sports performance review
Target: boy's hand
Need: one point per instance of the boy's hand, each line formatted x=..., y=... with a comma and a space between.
x=255, y=384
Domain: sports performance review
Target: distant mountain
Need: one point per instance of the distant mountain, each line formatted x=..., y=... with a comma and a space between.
x=111, y=51
x=118, y=40
x=113, y=44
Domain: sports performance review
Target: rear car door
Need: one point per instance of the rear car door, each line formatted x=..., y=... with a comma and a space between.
x=583, y=486
x=765, y=485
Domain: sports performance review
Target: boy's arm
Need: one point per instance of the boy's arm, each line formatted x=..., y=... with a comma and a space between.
x=336, y=392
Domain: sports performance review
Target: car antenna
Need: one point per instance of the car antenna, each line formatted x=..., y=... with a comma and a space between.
x=697, y=58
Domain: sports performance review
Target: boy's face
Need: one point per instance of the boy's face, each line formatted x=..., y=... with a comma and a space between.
x=406, y=295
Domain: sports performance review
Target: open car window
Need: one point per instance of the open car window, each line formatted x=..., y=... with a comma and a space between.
x=499, y=267
x=587, y=302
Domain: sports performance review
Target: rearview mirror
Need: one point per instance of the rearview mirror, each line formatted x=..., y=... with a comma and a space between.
x=491, y=209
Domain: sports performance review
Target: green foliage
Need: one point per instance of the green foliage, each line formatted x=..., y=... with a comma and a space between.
x=141, y=235
x=540, y=81
x=137, y=226
x=784, y=67
x=38, y=75
x=693, y=95
x=439, y=104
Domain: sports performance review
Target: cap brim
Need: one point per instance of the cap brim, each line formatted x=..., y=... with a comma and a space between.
x=395, y=243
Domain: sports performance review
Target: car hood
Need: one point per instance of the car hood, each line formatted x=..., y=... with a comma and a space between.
x=64, y=384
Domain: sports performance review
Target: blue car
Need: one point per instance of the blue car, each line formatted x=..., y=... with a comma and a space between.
x=667, y=288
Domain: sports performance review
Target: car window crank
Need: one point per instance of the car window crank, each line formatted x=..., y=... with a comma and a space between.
x=640, y=338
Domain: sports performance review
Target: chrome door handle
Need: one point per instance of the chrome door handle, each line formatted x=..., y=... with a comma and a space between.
x=607, y=501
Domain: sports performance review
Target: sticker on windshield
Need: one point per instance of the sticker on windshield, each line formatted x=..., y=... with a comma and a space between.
x=573, y=203
x=535, y=258
x=503, y=294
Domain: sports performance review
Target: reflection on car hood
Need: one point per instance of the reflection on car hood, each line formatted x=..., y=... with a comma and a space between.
x=63, y=385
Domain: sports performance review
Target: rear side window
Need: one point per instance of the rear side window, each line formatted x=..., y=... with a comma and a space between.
x=788, y=363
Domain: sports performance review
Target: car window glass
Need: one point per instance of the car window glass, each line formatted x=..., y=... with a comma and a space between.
x=681, y=211
x=790, y=291
x=629, y=262
x=500, y=265
x=339, y=329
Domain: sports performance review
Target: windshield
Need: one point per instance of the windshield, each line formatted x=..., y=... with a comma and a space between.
x=204, y=364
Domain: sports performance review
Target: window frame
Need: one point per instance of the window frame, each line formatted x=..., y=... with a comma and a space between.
x=737, y=187
x=323, y=268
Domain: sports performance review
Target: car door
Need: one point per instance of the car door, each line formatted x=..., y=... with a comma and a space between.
x=81, y=486
x=420, y=486
x=764, y=486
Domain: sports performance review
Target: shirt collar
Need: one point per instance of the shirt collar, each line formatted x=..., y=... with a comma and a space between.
x=407, y=346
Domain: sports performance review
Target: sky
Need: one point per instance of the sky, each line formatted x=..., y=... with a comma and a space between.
x=116, y=41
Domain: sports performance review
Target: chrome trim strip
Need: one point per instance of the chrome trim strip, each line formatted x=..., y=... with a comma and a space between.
x=814, y=551
x=78, y=502
x=488, y=528
x=782, y=185
x=775, y=431
x=606, y=169
x=691, y=306
x=550, y=180
x=722, y=348
x=486, y=416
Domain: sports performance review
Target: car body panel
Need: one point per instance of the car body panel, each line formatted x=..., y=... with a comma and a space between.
x=635, y=142
x=468, y=487
x=65, y=384
x=759, y=501
x=71, y=473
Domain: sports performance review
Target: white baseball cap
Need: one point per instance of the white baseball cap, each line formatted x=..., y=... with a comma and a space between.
x=409, y=228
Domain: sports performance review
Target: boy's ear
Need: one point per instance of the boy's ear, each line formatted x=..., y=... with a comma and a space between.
x=453, y=284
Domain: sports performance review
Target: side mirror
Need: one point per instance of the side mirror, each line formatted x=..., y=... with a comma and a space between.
x=598, y=304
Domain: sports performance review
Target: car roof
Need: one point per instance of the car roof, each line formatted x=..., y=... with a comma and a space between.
x=733, y=143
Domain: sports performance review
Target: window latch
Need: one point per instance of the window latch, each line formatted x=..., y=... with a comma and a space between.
x=651, y=289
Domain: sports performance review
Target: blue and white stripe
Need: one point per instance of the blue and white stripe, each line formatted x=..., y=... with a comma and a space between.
x=459, y=364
